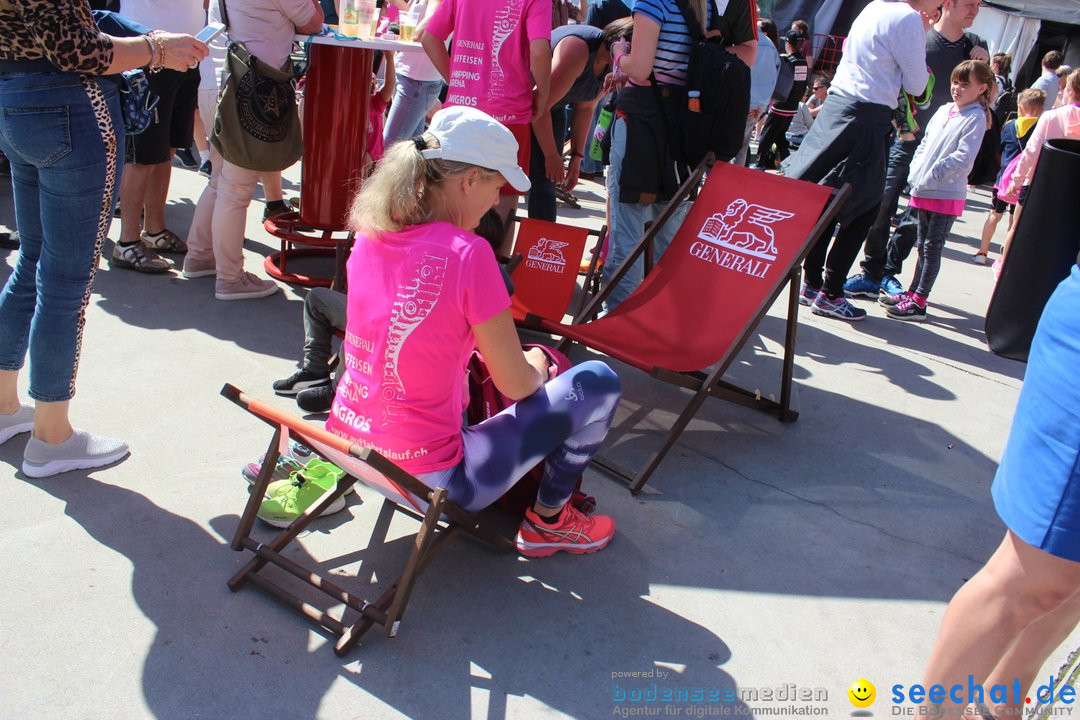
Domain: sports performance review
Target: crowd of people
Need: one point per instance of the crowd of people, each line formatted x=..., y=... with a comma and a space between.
x=908, y=108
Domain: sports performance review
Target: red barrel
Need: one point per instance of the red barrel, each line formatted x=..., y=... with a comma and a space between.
x=336, y=99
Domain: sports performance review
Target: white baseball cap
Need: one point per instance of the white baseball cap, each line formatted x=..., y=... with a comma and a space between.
x=471, y=136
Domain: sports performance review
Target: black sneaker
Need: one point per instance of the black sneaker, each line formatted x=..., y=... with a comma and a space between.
x=9, y=240
x=275, y=208
x=907, y=309
x=187, y=158
x=317, y=399
x=300, y=380
x=206, y=169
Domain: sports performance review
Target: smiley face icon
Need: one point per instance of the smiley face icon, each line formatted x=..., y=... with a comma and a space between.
x=862, y=693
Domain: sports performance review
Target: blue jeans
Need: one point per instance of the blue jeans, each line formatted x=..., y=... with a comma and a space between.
x=61, y=132
x=628, y=225
x=412, y=100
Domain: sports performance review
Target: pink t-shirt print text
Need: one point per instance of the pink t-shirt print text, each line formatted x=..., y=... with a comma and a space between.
x=489, y=60
x=413, y=299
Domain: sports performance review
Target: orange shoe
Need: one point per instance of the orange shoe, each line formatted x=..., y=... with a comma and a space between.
x=574, y=531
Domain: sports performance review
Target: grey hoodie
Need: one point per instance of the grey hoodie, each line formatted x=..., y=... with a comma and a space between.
x=947, y=152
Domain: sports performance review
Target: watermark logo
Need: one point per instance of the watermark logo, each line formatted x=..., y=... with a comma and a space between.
x=862, y=693
x=1002, y=699
x=665, y=695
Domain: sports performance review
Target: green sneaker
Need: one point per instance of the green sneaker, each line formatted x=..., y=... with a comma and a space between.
x=288, y=499
x=323, y=471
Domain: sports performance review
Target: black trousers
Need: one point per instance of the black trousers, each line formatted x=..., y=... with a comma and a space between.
x=827, y=269
x=774, y=133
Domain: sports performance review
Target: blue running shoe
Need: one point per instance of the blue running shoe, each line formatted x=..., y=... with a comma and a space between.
x=861, y=286
x=838, y=308
x=808, y=294
x=891, y=286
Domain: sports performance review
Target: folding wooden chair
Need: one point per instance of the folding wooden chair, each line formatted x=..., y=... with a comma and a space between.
x=746, y=234
x=546, y=275
x=440, y=520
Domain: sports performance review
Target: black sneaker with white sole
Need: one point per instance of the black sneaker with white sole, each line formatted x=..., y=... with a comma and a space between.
x=300, y=380
x=188, y=158
x=317, y=399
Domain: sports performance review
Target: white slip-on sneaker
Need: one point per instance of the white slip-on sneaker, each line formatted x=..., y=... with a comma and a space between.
x=22, y=420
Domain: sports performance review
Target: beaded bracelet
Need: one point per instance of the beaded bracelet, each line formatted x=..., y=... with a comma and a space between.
x=157, y=52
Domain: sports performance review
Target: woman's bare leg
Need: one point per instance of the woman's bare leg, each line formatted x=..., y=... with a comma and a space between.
x=1018, y=585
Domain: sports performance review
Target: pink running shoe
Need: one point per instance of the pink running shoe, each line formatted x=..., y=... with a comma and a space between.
x=289, y=462
x=574, y=532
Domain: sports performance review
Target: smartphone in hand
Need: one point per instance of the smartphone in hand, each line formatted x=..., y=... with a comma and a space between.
x=211, y=31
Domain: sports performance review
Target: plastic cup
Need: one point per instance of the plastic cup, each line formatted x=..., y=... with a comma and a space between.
x=367, y=15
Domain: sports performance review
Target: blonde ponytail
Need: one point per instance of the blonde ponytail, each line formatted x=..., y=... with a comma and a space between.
x=401, y=191
x=700, y=8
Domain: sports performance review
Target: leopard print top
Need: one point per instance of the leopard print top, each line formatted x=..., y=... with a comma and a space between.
x=60, y=31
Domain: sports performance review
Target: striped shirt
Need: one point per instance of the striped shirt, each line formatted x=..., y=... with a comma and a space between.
x=673, y=45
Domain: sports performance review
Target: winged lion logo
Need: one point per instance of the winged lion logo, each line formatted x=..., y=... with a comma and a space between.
x=548, y=251
x=745, y=228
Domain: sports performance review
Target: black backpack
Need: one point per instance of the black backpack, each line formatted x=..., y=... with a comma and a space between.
x=723, y=81
x=1005, y=108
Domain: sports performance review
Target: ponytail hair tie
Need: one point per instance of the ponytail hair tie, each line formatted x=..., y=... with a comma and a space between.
x=420, y=143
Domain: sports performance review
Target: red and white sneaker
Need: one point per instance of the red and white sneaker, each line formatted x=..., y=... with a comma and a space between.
x=574, y=531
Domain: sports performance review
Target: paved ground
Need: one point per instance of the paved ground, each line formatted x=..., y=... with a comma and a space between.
x=765, y=560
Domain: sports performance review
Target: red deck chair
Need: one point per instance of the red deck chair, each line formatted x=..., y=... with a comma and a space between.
x=440, y=520
x=744, y=238
x=546, y=276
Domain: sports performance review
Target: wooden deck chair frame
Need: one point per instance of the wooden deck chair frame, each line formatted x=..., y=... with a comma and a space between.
x=590, y=285
x=709, y=383
x=440, y=521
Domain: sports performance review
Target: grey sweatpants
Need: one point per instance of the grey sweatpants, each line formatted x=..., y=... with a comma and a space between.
x=324, y=310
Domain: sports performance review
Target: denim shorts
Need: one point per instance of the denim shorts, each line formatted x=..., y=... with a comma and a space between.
x=63, y=135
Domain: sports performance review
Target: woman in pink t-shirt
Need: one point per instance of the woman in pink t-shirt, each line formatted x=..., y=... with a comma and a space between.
x=424, y=292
